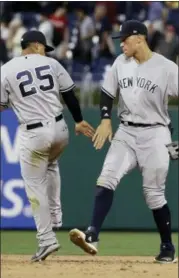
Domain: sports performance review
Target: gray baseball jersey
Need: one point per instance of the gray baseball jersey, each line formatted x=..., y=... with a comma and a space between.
x=143, y=88
x=32, y=85
x=143, y=98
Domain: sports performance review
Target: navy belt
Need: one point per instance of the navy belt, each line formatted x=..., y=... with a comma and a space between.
x=32, y=126
x=137, y=125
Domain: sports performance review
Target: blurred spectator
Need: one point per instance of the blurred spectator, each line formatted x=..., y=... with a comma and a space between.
x=16, y=30
x=4, y=30
x=3, y=52
x=134, y=10
x=60, y=31
x=169, y=45
x=172, y=14
x=30, y=20
x=117, y=43
x=86, y=31
x=46, y=28
x=83, y=32
x=6, y=11
x=111, y=10
x=155, y=33
x=155, y=11
x=103, y=29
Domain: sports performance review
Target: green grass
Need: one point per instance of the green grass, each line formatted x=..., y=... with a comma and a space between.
x=111, y=243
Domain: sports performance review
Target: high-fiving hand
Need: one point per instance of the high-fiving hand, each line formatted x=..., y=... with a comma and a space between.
x=84, y=128
x=103, y=132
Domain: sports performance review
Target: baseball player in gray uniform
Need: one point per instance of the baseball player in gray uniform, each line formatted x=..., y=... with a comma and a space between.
x=32, y=84
x=144, y=80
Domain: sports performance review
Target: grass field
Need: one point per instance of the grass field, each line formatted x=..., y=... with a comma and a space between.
x=121, y=255
x=111, y=243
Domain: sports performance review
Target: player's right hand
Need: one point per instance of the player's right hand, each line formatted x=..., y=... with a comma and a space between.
x=84, y=128
x=103, y=132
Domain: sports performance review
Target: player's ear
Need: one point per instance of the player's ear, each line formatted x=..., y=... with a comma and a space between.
x=37, y=46
x=138, y=39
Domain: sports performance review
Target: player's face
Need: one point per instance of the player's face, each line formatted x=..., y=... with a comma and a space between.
x=129, y=45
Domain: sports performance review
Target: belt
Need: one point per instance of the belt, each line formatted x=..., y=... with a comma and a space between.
x=32, y=126
x=137, y=125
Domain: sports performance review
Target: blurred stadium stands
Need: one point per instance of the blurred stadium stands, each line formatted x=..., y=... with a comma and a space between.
x=81, y=32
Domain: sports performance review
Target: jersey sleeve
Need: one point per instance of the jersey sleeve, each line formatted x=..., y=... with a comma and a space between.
x=65, y=82
x=110, y=84
x=173, y=79
x=4, y=90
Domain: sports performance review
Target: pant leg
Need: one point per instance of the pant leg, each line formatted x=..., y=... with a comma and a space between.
x=53, y=173
x=54, y=193
x=154, y=161
x=34, y=155
x=119, y=160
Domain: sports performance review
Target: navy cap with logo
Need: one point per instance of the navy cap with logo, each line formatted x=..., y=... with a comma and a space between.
x=131, y=27
x=35, y=36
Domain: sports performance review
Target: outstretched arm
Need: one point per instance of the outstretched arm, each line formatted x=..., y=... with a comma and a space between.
x=108, y=93
x=104, y=130
x=72, y=103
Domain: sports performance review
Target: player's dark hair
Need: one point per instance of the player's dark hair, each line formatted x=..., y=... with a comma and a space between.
x=24, y=45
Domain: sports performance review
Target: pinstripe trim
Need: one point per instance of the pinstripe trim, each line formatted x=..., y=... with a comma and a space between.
x=66, y=90
x=106, y=92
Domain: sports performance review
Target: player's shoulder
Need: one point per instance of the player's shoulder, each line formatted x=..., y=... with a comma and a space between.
x=10, y=65
x=122, y=59
x=52, y=60
x=162, y=60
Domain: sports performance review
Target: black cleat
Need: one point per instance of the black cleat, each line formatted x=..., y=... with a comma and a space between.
x=167, y=254
x=44, y=252
x=91, y=235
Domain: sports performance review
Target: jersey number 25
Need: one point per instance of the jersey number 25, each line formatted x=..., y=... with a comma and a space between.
x=29, y=81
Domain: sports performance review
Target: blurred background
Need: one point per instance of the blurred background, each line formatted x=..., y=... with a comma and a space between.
x=81, y=34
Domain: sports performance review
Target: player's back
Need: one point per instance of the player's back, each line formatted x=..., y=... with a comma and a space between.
x=33, y=86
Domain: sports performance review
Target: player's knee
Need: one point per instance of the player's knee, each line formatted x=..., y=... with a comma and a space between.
x=102, y=192
x=155, y=177
x=107, y=181
x=154, y=186
x=154, y=197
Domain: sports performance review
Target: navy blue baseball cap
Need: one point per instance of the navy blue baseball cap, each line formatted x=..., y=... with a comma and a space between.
x=130, y=28
x=35, y=36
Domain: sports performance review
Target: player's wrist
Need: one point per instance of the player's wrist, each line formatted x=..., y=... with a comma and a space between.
x=105, y=106
x=79, y=121
x=106, y=121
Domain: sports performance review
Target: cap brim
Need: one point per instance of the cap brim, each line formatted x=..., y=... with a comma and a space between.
x=48, y=48
x=120, y=36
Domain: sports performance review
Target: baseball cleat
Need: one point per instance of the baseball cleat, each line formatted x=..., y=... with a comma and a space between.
x=167, y=254
x=79, y=239
x=44, y=252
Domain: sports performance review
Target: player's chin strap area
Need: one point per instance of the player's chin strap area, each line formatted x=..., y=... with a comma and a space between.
x=173, y=150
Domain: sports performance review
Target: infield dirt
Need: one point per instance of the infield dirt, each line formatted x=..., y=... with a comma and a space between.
x=19, y=266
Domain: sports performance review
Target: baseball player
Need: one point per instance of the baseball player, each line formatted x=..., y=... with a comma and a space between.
x=144, y=80
x=32, y=84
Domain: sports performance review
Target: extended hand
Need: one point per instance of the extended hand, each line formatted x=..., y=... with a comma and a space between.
x=103, y=132
x=84, y=128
